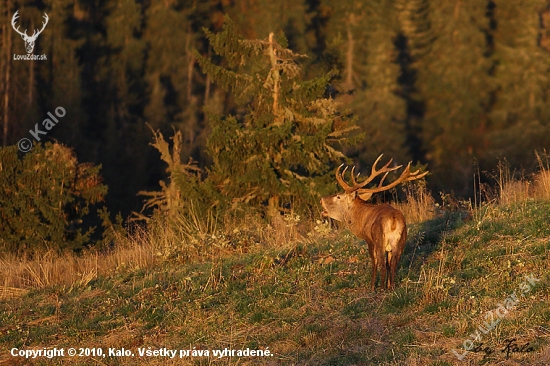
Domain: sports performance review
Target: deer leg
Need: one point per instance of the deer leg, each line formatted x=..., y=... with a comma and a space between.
x=395, y=263
x=384, y=273
x=391, y=265
x=388, y=270
x=373, y=273
x=372, y=256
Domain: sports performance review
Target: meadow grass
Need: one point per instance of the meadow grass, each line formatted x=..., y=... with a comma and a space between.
x=295, y=286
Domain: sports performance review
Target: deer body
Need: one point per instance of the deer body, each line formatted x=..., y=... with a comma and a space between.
x=382, y=227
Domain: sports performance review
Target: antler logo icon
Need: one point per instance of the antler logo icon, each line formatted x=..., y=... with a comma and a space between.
x=29, y=41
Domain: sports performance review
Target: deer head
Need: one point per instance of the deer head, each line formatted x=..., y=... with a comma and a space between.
x=29, y=40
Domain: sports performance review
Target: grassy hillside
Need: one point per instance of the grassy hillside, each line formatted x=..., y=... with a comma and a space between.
x=308, y=302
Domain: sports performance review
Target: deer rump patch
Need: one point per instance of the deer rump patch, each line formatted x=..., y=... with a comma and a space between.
x=392, y=230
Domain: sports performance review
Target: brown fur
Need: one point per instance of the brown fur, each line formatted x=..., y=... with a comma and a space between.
x=381, y=226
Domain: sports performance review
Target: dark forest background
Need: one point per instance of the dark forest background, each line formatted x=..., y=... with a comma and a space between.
x=454, y=84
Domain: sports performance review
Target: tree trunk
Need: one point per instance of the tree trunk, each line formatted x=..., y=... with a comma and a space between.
x=190, y=63
x=3, y=62
x=7, y=81
x=207, y=81
x=349, y=53
x=275, y=76
x=273, y=207
x=31, y=82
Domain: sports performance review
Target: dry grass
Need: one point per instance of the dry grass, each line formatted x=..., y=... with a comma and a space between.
x=419, y=205
x=10, y=292
x=180, y=238
x=542, y=179
x=515, y=191
x=68, y=269
x=512, y=190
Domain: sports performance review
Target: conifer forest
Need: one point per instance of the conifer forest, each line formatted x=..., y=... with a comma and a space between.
x=267, y=98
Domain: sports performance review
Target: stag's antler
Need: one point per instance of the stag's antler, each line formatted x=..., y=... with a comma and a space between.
x=46, y=18
x=13, y=20
x=35, y=34
x=374, y=173
x=366, y=193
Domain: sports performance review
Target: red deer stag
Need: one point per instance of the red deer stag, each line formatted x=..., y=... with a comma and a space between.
x=381, y=226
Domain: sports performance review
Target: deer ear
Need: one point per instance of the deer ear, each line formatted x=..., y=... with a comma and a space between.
x=365, y=196
x=353, y=195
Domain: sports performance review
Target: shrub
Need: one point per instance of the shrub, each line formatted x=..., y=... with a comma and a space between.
x=44, y=197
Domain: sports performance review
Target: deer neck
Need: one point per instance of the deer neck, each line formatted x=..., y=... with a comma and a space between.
x=360, y=218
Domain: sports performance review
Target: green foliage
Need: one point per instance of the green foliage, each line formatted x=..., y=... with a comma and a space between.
x=185, y=192
x=443, y=82
x=112, y=231
x=520, y=113
x=453, y=78
x=414, y=18
x=381, y=110
x=363, y=39
x=282, y=143
x=43, y=198
x=256, y=20
x=169, y=73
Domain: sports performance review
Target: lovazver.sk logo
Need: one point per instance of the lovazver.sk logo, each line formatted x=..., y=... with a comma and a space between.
x=29, y=40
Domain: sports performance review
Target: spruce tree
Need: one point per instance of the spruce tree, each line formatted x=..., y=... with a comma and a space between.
x=521, y=113
x=124, y=135
x=183, y=192
x=449, y=53
x=256, y=19
x=44, y=197
x=378, y=104
x=361, y=35
x=62, y=72
x=282, y=141
x=169, y=69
